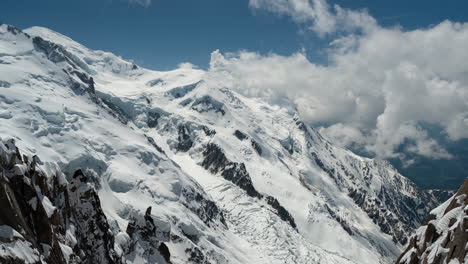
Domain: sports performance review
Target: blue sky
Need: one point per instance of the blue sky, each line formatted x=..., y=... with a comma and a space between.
x=168, y=32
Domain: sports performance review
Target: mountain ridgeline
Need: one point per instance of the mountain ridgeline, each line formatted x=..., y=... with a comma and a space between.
x=142, y=166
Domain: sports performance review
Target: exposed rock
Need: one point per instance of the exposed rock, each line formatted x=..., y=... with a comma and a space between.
x=206, y=104
x=146, y=238
x=240, y=135
x=95, y=237
x=45, y=217
x=185, y=141
x=256, y=146
x=155, y=82
x=206, y=209
x=208, y=132
x=443, y=238
x=216, y=162
x=181, y=91
x=153, y=119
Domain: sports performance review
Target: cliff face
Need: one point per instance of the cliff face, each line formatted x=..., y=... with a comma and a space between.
x=47, y=219
x=443, y=236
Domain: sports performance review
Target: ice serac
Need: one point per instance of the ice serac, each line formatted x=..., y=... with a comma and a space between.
x=186, y=169
x=443, y=236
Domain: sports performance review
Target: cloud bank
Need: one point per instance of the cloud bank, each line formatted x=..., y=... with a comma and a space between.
x=381, y=88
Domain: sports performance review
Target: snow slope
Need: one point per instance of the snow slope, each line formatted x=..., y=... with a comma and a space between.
x=236, y=180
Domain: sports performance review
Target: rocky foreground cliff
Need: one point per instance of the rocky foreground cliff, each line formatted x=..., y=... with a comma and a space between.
x=443, y=236
x=47, y=219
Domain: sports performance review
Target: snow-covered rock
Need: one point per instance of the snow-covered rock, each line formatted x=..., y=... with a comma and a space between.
x=205, y=174
x=443, y=236
x=42, y=214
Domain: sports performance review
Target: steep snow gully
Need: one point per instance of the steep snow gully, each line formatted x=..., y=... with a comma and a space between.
x=102, y=161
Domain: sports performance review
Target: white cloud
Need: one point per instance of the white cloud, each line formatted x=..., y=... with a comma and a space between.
x=187, y=65
x=318, y=15
x=379, y=88
x=144, y=3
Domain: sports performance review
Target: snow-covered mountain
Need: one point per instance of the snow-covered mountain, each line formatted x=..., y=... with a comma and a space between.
x=443, y=237
x=229, y=179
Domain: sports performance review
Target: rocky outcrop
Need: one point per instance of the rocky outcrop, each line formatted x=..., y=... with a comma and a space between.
x=146, y=237
x=95, y=236
x=207, y=103
x=63, y=222
x=181, y=91
x=216, y=162
x=242, y=136
x=443, y=237
x=185, y=142
x=46, y=219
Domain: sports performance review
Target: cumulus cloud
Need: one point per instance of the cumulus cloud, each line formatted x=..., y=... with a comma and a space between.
x=380, y=89
x=318, y=15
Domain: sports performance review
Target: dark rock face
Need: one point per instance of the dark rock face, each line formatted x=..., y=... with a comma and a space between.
x=240, y=135
x=181, y=91
x=77, y=70
x=340, y=220
x=205, y=209
x=443, y=237
x=153, y=118
x=216, y=162
x=208, y=132
x=153, y=143
x=196, y=256
x=46, y=217
x=280, y=210
x=206, y=104
x=115, y=111
x=185, y=142
x=146, y=238
x=256, y=146
x=56, y=53
x=164, y=250
x=13, y=30
x=45, y=210
x=97, y=240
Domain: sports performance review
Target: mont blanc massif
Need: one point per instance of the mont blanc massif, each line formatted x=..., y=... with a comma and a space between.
x=103, y=161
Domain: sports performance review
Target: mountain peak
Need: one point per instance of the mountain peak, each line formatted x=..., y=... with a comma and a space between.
x=51, y=35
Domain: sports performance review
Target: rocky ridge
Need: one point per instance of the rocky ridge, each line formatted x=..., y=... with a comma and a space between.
x=443, y=236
